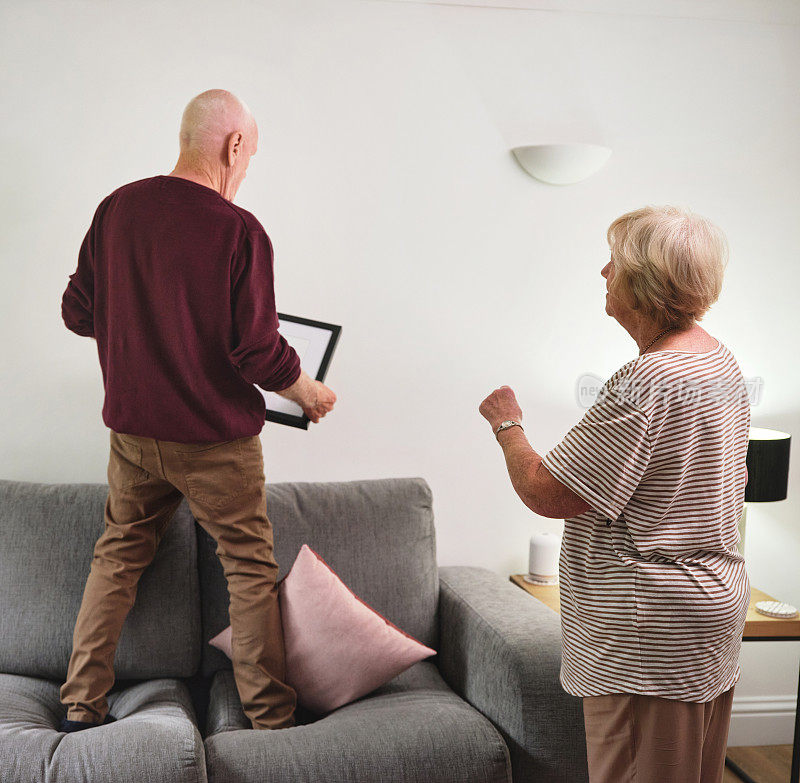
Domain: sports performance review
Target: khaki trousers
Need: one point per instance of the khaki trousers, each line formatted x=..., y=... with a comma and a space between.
x=224, y=486
x=646, y=739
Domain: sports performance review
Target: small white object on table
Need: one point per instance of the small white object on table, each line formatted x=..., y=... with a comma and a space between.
x=545, y=549
x=776, y=609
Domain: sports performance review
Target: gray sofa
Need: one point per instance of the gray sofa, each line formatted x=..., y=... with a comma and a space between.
x=487, y=708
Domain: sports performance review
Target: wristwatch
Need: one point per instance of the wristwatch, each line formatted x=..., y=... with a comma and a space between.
x=506, y=424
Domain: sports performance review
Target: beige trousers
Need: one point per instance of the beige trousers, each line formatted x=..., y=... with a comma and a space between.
x=647, y=739
x=224, y=486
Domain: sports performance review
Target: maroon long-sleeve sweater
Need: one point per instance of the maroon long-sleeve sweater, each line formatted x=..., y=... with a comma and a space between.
x=175, y=283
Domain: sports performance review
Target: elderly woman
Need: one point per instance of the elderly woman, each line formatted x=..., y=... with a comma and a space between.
x=650, y=483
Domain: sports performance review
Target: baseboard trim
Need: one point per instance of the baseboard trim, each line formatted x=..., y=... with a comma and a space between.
x=762, y=720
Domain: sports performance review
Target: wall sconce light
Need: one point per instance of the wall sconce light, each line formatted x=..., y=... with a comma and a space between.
x=562, y=164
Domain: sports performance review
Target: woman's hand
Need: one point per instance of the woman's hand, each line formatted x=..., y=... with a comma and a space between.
x=500, y=406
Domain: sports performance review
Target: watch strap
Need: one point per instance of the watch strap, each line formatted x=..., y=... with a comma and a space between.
x=507, y=425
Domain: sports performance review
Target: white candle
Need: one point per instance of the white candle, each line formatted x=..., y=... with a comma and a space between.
x=543, y=561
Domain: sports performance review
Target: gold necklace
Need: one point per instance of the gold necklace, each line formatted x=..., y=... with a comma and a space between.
x=658, y=336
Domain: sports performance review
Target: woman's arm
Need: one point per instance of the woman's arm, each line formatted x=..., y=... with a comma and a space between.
x=538, y=489
x=536, y=486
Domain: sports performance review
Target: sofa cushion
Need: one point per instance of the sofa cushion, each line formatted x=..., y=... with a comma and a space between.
x=377, y=535
x=47, y=538
x=155, y=737
x=337, y=647
x=412, y=729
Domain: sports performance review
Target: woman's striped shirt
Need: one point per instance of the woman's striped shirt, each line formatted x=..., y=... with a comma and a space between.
x=654, y=592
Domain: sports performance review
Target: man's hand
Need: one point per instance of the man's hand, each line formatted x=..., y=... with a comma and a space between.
x=500, y=406
x=314, y=397
x=322, y=402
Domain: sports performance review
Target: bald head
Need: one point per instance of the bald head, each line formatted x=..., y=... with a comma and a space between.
x=209, y=118
x=218, y=134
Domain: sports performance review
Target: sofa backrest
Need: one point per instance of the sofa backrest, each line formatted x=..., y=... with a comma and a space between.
x=377, y=535
x=47, y=537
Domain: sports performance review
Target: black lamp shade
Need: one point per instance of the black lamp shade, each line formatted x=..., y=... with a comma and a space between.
x=767, y=466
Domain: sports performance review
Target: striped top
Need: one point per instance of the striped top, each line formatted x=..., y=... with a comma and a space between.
x=654, y=592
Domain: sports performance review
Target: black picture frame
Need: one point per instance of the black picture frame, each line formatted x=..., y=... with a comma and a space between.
x=334, y=331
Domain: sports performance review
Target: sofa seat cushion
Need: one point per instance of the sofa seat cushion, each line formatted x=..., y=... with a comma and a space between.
x=413, y=728
x=154, y=739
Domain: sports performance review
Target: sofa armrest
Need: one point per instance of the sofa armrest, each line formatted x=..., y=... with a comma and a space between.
x=500, y=650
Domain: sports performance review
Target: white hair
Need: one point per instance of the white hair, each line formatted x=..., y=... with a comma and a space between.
x=668, y=263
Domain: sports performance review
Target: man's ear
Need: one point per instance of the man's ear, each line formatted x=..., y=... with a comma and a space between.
x=235, y=146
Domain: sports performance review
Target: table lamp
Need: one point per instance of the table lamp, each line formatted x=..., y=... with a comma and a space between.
x=767, y=471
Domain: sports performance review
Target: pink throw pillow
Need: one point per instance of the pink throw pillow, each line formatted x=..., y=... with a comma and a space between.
x=337, y=647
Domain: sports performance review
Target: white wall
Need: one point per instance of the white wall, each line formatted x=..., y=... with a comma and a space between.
x=385, y=182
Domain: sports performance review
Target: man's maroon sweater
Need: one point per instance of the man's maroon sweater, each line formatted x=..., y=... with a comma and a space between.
x=175, y=283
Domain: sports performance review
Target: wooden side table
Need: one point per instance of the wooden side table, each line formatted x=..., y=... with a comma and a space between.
x=757, y=628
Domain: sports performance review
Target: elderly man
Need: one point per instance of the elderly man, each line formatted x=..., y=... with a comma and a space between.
x=175, y=283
